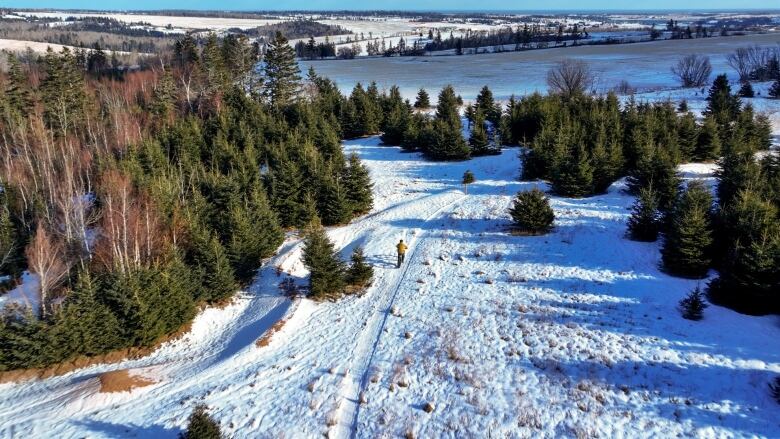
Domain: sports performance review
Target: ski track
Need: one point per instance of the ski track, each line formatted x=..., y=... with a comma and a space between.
x=564, y=319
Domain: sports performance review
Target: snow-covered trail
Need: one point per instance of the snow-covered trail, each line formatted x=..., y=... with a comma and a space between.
x=570, y=334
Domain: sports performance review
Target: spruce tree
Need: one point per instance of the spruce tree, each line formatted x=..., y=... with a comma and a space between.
x=218, y=281
x=721, y=104
x=87, y=325
x=327, y=272
x=478, y=139
x=254, y=234
x=358, y=186
x=645, y=220
x=423, y=100
x=531, y=213
x=708, y=144
x=746, y=90
x=774, y=89
x=573, y=174
x=688, y=243
x=332, y=204
x=359, y=273
x=688, y=135
x=201, y=425
x=693, y=305
x=749, y=277
x=487, y=105
x=17, y=91
x=447, y=108
x=281, y=72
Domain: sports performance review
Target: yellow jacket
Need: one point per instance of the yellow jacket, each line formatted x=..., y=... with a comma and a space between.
x=401, y=247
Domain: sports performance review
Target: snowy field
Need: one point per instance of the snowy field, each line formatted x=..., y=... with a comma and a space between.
x=645, y=66
x=573, y=334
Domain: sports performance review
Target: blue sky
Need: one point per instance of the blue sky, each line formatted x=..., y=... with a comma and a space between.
x=394, y=4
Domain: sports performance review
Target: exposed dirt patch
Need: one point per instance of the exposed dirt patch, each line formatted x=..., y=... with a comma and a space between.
x=122, y=381
x=265, y=340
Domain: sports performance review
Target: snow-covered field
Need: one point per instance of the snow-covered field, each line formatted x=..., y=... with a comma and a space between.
x=646, y=66
x=572, y=334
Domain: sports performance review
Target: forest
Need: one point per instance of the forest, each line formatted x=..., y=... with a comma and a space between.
x=138, y=196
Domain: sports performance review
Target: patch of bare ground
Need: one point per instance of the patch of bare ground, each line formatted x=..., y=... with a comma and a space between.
x=265, y=340
x=122, y=381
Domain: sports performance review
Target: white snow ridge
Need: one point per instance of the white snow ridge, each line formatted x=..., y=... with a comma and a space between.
x=479, y=334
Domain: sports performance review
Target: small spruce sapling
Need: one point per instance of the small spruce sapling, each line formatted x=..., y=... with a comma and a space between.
x=746, y=91
x=693, y=305
x=531, y=213
x=359, y=273
x=468, y=178
x=202, y=425
x=774, y=90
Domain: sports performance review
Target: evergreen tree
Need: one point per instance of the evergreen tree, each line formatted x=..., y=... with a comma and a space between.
x=573, y=175
x=17, y=91
x=327, y=278
x=708, y=144
x=201, y=425
x=286, y=188
x=688, y=136
x=332, y=204
x=774, y=89
x=359, y=273
x=645, y=220
x=693, y=305
x=749, y=278
x=487, y=105
x=656, y=168
x=358, y=186
x=164, y=96
x=218, y=280
x=687, y=245
x=531, y=213
x=282, y=76
x=478, y=139
x=255, y=234
x=447, y=108
x=442, y=141
x=721, y=104
x=87, y=325
x=423, y=100
x=746, y=90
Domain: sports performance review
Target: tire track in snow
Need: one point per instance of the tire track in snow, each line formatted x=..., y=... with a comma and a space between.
x=348, y=405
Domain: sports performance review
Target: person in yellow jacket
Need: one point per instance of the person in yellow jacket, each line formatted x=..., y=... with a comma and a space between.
x=401, y=247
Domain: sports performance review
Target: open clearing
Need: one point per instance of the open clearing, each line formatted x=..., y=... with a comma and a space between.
x=570, y=334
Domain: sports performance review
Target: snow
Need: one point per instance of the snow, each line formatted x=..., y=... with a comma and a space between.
x=570, y=334
x=24, y=295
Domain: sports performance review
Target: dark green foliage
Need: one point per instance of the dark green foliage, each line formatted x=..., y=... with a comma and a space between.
x=478, y=139
x=423, y=100
x=774, y=89
x=281, y=73
x=255, y=234
x=357, y=186
x=531, y=213
x=218, y=280
x=201, y=425
x=721, y=103
x=687, y=247
x=656, y=169
x=332, y=203
x=746, y=90
x=708, y=146
x=749, y=279
x=693, y=305
x=327, y=271
x=468, y=178
x=645, y=220
x=487, y=105
x=359, y=273
x=397, y=115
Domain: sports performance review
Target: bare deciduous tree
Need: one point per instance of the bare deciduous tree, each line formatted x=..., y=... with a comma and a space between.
x=131, y=236
x=46, y=258
x=570, y=77
x=693, y=70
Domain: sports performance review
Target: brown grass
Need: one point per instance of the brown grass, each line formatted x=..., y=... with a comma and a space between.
x=122, y=381
x=265, y=340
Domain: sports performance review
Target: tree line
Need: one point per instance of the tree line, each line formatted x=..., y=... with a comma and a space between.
x=135, y=198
